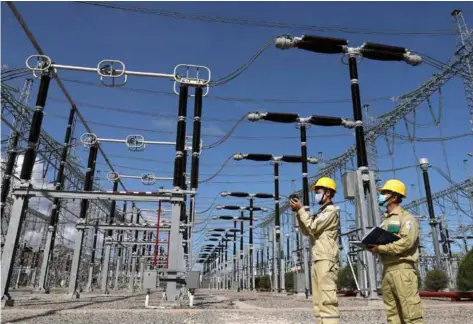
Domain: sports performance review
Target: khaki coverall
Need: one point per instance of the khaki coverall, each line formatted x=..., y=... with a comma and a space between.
x=322, y=231
x=399, y=286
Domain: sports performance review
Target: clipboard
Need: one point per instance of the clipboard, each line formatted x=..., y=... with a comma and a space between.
x=376, y=236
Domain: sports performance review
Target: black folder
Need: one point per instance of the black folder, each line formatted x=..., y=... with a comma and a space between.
x=377, y=236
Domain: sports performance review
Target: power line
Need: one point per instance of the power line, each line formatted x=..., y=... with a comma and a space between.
x=267, y=24
x=163, y=131
x=235, y=99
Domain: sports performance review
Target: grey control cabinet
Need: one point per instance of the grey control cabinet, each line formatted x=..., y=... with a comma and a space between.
x=150, y=280
x=193, y=280
x=299, y=282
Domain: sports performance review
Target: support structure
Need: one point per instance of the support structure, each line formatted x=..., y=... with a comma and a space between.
x=18, y=212
x=54, y=217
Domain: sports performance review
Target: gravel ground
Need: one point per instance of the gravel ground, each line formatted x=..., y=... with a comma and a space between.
x=211, y=307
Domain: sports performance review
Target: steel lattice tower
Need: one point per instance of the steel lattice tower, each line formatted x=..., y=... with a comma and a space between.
x=464, y=37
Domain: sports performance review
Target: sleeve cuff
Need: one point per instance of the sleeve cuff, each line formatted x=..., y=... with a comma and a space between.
x=301, y=211
x=381, y=249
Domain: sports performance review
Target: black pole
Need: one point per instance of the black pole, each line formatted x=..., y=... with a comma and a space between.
x=54, y=218
x=449, y=247
x=262, y=262
x=135, y=222
x=183, y=217
x=94, y=244
x=251, y=243
x=180, y=136
x=10, y=167
x=242, y=227
x=357, y=113
x=234, y=249
x=150, y=238
x=226, y=250
x=35, y=130
x=113, y=205
x=288, y=250
x=305, y=180
x=120, y=233
x=432, y=220
x=277, y=223
x=196, y=138
x=89, y=179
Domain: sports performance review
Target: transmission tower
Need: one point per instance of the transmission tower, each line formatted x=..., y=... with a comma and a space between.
x=464, y=38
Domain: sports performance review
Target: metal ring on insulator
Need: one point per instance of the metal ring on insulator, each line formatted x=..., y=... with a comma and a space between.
x=148, y=179
x=346, y=56
x=88, y=139
x=43, y=63
x=135, y=142
x=105, y=70
x=113, y=176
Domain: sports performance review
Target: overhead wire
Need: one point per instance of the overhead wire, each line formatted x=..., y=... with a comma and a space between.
x=260, y=23
x=234, y=99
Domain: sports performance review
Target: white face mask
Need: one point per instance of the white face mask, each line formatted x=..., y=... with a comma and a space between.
x=319, y=197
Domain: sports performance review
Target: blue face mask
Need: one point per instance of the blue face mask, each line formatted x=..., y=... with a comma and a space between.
x=382, y=199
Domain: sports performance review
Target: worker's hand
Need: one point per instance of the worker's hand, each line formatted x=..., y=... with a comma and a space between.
x=295, y=204
x=372, y=248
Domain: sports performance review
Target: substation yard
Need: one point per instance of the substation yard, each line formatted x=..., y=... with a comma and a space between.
x=212, y=307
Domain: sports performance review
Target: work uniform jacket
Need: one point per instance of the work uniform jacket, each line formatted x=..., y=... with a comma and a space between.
x=323, y=231
x=406, y=249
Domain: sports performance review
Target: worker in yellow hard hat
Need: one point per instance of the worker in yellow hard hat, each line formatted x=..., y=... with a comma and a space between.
x=399, y=286
x=322, y=230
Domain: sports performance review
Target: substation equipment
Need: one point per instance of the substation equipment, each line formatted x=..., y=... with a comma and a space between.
x=303, y=123
x=209, y=256
x=278, y=251
x=359, y=185
x=250, y=277
x=184, y=76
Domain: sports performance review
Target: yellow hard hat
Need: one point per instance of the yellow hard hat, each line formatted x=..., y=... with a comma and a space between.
x=325, y=183
x=395, y=186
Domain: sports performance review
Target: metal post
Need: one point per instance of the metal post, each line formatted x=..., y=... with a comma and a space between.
x=305, y=199
x=134, y=256
x=226, y=262
x=89, y=176
x=240, y=286
x=288, y=253
x=234, y=256
x=424, y=165
x=92, y=257
x=277, y=227
x=16, y=221
x=250, y=259
x=108, y=246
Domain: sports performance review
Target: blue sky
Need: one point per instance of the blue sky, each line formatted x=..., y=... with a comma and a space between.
x=77, y=34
